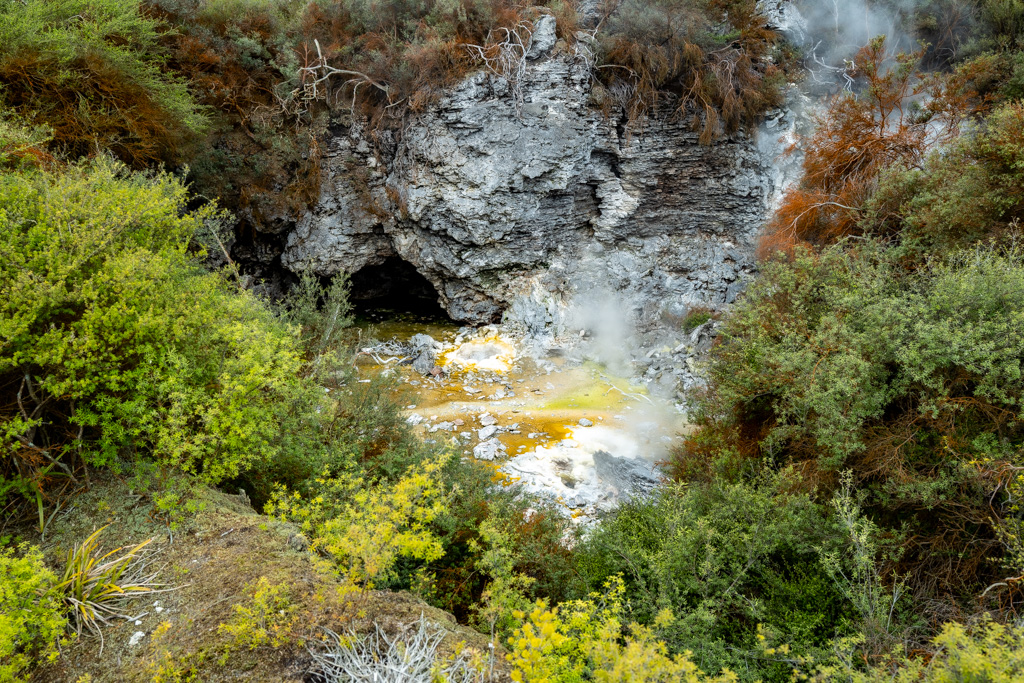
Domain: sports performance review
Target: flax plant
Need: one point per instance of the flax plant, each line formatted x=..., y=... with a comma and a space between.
x=96, y=587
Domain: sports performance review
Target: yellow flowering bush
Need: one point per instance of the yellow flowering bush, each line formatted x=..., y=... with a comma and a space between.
x=31, y=616
x=584, y=640
x=365, y=528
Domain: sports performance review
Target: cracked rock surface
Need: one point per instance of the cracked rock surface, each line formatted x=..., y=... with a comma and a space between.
x=530, y=214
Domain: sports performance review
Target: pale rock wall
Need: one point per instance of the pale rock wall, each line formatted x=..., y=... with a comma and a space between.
x=532, y=213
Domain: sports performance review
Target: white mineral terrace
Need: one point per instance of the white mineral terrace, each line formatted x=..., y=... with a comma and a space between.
x=567, y=430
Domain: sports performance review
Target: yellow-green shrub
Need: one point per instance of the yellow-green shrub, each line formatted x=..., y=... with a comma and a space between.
x=587, y=639
x=268, y=618
x=116, y=344
x=365, y=528
x=989, y=653
x=31, y=619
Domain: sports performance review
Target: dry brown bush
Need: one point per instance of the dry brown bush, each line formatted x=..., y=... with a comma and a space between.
x=863, y=133
x=713, y=55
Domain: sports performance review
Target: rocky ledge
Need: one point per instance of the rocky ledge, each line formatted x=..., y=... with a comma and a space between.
x=542, y=211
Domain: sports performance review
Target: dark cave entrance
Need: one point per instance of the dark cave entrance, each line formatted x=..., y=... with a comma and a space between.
x=393, y=290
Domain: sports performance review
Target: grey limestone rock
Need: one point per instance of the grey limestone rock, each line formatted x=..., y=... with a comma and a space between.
x=630, y=476
x=520, y=214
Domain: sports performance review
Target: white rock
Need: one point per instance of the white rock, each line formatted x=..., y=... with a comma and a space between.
x=136, y=638
x=488, y=450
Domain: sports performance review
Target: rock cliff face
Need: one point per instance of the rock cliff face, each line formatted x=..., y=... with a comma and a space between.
x=548, y=212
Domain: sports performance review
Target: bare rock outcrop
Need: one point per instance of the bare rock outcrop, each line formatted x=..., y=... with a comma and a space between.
x=532, y=210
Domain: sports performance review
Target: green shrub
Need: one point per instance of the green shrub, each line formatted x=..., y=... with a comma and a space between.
x=989, y=652
x=969, y=191
x=529, y=536
x=91, y=71
x=120, y=346
x=725, y=560
x=589, y=639
x=695, y=317
x=266, y=618
x=31, y=616
x=912, y=380
x=364, y=529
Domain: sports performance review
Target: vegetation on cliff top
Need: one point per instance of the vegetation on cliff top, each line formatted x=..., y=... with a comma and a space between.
x=847, y=507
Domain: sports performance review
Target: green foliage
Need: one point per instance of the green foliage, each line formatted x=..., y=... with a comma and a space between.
x=91, y=70
x=969, y=191
x=365, y=529
x=695, y=317
x=120, y=345
x=990, y=652
x=723, y=559
x=587, y=639
x=267, y=619
x=20, y=142
x=488, y=529
x=507, y=589
x=31, y=615
x=858, y=577
x=322, y=312
x=912, y=380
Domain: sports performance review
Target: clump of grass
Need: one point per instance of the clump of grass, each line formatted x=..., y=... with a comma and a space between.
x=695, y=317
x=95, y=587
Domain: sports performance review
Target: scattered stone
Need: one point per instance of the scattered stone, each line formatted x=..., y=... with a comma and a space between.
x=471, y=390
x=414, y=419
x=459, y=422
x=136, y=638
x=487, y=450
x=584, y=422
x=486, y=419
x=298, y=542
x=487, y=432
x=631, y=476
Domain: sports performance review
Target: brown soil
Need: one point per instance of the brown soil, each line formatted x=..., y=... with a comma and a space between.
x=212, y=562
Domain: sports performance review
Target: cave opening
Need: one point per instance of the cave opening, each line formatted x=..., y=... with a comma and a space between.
x=393, y=290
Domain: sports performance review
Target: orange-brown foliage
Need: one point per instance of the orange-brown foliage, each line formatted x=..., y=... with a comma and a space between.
x=726, y=81
x=861, y=134
x=103, y=112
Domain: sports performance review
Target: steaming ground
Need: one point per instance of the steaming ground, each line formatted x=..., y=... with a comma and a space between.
x=564, y=428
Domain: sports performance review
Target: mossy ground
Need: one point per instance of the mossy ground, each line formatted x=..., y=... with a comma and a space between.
x=212, y=561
